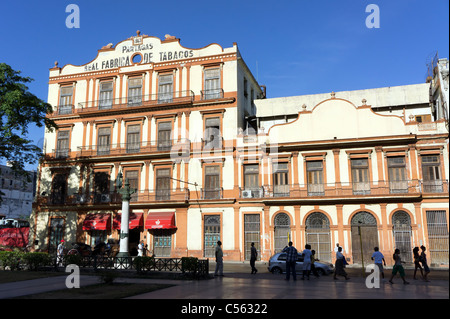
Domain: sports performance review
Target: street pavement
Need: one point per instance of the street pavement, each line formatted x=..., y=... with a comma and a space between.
x=238, y=284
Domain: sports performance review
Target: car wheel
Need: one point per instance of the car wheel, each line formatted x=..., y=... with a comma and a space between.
x=321, y=272
x=277, y=270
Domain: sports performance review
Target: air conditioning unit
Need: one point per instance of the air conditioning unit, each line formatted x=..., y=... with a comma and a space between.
x=247, y=194
x=80, y=199
x=105, y=198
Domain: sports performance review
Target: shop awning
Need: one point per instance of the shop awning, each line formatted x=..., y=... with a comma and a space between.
x=136, y=221
x=162, y=220
x=97, y=222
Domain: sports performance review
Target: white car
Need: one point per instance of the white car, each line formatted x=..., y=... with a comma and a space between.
x=277, y=265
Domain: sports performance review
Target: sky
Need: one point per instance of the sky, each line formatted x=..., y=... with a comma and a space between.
x=292, y=47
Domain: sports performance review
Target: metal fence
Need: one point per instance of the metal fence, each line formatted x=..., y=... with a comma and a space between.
x=140, y=264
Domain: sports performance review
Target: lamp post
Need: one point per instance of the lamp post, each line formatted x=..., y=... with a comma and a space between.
x=126, y=193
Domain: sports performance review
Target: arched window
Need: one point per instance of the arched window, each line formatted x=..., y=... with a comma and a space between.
x=401, y=230
x=282, y=231
x=318, y=235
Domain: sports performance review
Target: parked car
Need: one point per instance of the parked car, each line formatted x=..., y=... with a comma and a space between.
x=277, y=265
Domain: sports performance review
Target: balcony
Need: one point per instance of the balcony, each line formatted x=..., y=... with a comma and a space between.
x=148, y=147
x=211, y=193
x=436, y=186
x=114, y=198
x=344, y=190
x=211, y=94
x=180, y=97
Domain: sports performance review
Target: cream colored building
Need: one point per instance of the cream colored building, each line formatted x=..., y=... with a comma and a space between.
x=192, y=131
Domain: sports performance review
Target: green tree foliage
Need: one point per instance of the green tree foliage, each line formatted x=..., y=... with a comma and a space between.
x=18, y=110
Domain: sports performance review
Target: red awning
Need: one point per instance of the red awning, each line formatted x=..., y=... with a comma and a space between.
x=97, y=222
x=160, y=221
x=136, y=221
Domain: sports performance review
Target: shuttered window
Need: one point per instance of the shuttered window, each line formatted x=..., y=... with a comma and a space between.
x=133, y=138
x=134, y=91
x=165, y=88
x=164, y=132
x=106, y=95
x=212, y=84
x=104, y=140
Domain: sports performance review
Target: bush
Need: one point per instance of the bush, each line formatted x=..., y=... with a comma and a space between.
x=11, y=259
x=36, y=260
x=189, y=264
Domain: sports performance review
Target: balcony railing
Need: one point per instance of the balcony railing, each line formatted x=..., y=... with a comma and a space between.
x=136, y=101
x=212, y=193
x=211, y=94
x=134, y=148
x=436, y=186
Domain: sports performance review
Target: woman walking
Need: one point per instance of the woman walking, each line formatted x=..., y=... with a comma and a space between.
x=417, y=265
x=339, y=265
x=423, y=260
x=398, y=267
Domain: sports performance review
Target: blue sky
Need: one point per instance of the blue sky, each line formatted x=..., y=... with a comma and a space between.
x=293, y=47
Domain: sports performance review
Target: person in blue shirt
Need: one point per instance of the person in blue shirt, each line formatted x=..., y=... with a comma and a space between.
x=291, y=260
x=378, y=259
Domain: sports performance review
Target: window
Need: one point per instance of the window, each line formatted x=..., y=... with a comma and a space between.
x=59, y=189
x=165, y=88
x=101, y=188
x=251, y=181
x=135, y=92
x=211, y=233
x=431, y=171
x=97, y=236
x=360, y=176
x=212, y=84
x=252, y=234
x=164, y=132
x=65, y=100
x=104, y=140
x=213, y=138
x=163, y=184
x=106, y=95
x=62, y=144
x=212, y=188
x=314, y=173
x=397, y=175
x=280, y=180
x=56, y=233
x=132, y=177
x=133, y=138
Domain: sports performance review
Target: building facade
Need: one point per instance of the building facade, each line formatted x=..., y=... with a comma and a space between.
x=189, y=129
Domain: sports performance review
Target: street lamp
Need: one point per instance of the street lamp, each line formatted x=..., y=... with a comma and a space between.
x=126, y=193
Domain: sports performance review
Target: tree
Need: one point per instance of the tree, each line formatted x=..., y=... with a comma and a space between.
x=18, y=109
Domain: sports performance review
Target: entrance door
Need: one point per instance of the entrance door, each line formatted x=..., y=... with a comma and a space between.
x=364, y=237
x=162, y=242
x=251, y=234
x=318, y=235
x=402, y=234
x=211, y=235
x=437, y=237
x=282, y=232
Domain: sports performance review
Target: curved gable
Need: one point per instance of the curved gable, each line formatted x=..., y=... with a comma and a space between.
x=340, y=119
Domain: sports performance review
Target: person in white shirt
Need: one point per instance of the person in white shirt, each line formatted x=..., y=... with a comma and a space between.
x=337, y=247
x=307, y=261
x=141, y=249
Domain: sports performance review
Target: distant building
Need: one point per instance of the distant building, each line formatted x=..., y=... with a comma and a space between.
x=18, y=193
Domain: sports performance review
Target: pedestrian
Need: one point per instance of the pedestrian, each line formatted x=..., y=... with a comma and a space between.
x=306, y=261
x=417, y=265
x=313, y=267
x=291, y=260
x=253, y=257
x=337, y=247
x=423, y=260
x=219, y=260
x=141, y=249
x=378, y=259
x=339, y=265
x=60, y=252
x=398, y=267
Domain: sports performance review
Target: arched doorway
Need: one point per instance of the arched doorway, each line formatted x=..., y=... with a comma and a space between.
x=282, y=231
x=401, y=229
x=364, y=237
x=318, y=235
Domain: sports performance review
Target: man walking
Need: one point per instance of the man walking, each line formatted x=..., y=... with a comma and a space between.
x=291, y=260
x=219, y=260
x=253, y=257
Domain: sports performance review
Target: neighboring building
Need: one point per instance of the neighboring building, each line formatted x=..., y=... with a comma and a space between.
x=438, y=79
x=191, y=131
x=18, y=193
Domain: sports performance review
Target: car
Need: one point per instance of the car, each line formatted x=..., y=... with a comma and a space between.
x=277, y=265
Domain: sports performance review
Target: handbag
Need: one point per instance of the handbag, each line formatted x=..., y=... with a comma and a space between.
x=344, y=261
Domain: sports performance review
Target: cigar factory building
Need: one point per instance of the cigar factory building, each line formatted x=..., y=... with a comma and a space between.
x=212, y=158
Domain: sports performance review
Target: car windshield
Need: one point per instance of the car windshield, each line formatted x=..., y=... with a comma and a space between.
x=282, y=257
